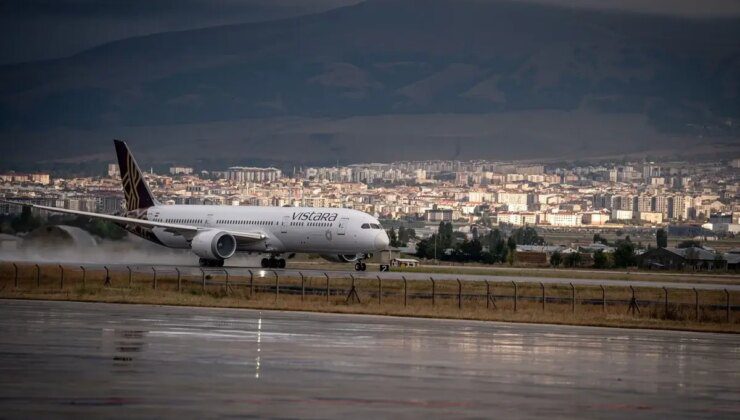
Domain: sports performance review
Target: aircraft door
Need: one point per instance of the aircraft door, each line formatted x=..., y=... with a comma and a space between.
x=342, y=226
x=286, y=222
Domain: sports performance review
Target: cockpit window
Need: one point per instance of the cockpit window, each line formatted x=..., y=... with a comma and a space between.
x=375, y=226
x=365, y=226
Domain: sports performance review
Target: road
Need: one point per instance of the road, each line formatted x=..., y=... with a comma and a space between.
x=106, y=360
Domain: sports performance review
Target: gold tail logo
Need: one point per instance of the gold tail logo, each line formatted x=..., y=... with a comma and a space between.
x=130, y=180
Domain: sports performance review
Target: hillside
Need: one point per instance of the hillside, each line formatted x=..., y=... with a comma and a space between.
x=384, y=80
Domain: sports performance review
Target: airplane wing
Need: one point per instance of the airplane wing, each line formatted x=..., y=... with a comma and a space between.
x=185, y=230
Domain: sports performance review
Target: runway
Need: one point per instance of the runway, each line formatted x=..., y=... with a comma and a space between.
x=88, y=359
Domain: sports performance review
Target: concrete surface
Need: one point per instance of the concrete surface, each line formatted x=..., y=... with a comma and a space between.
x=90, y=359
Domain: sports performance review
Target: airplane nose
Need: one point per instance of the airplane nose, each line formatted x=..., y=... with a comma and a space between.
x=382, y=241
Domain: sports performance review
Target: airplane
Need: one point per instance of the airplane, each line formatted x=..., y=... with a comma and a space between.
x=217, y=233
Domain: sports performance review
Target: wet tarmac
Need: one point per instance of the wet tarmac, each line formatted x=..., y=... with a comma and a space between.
x=106, y=360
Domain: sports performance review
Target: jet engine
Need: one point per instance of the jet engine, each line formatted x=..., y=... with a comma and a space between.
x=341, y=258
x=213, y=245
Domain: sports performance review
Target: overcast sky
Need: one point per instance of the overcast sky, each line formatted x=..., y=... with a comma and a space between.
x=42, y=29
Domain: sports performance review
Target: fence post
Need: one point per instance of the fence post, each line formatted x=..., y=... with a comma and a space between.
x=665, y=302
x=515, y=294
x=38, y=276
x=634, y=306
x=203, y=279
x=727, y=301
x=327, y=287
x=84, y=273
x=603, y=298
x=696, y=303
x=542, y=286
x=277, y=285
x=459, y=294
x=251, y=283
x=129, y=276
x=405, y=293
x=572, y=298
x=61, y=277
x=303, y=286
x=179, y=282
x=434, y=292
x=107, y=276
x=15, y=275
x=489, y=297
x=228, y=286
x=154, y=278
x=380, y=291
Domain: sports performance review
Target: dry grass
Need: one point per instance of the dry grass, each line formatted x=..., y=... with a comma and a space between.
x=292, y=294
x=677, y=277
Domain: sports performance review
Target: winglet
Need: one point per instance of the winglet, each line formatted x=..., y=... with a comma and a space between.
x=137, y=192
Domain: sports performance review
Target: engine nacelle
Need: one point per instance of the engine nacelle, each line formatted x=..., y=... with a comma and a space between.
x=213, y=245
x=341, y=258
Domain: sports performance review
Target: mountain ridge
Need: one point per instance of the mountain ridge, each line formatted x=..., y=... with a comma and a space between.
x=405, y=59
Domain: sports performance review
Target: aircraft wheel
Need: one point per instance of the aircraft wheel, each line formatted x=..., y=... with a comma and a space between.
x=265, y=263
x=363, y=266
x=281, y=263
x=358, y=266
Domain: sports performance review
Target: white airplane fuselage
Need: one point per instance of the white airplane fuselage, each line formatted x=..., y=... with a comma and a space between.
x=286, y=229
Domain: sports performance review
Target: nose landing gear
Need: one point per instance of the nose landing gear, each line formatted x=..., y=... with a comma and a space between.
x=360, y=266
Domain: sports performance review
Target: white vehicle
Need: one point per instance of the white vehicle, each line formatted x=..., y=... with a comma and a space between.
x=216, y=233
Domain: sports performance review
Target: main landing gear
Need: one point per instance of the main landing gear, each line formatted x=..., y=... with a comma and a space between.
x=273, y=262
x=360, y=266
x=210, y=263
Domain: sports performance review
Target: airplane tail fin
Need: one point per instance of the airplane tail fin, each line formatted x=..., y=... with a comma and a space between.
x=137, y=192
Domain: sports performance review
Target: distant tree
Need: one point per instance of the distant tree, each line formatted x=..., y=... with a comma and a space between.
x=445, y=235
x=403, y=236
x=411, y=233
x=661, y=238
x=624, y=255
x=627, y=239
x=600, y=259
x=422, y=248
x=25, y=222
x=487, y=257
x=527, y=236
x=499, y=250
x=572, y=260
x=598, y=239
x=471, y=250
x=105, y=230
x=556, y=259
x=511, y=246
x=689, y=243
x=392, y=237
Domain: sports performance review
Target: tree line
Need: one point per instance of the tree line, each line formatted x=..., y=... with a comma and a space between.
x=494, y=247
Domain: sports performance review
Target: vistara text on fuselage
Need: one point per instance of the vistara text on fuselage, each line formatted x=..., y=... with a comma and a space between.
x=217, y=233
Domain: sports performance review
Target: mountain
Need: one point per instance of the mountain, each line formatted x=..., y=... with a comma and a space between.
x=385, y=80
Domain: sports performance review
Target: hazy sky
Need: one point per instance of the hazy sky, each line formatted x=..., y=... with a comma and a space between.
x=41, y=29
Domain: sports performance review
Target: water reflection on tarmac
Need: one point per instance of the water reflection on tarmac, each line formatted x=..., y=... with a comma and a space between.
x=146, y=361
